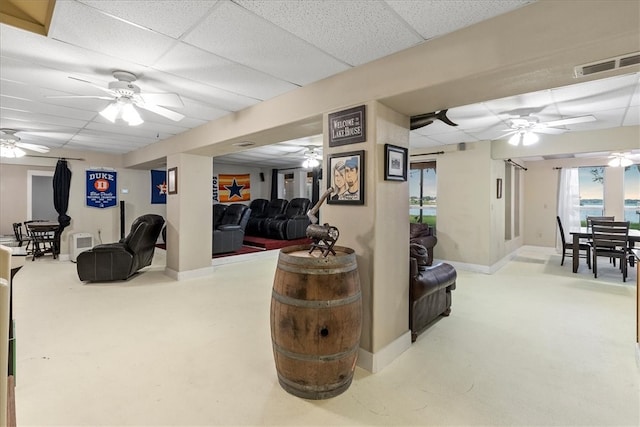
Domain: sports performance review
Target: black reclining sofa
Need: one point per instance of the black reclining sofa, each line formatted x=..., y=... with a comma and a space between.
x=120, y=260
x=229, y=223
x=256, y=224
x=290, y=225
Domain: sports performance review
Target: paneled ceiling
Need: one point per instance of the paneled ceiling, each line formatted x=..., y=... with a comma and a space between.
x=223, y=56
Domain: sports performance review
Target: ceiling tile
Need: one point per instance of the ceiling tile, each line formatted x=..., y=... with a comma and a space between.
x=373, y=30
x=80, y=25
x=193, y=63
x=436, y=17
x=234, y=33
x=172, y=18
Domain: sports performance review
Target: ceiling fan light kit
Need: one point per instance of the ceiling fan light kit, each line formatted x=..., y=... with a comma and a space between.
x=523, y=138
x=11, y=152
x=122, y=109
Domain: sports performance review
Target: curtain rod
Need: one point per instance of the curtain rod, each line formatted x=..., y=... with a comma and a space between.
x=53, y=157
x=427, y=154
x=515, y=164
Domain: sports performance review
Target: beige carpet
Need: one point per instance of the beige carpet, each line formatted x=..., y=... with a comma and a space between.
x=531, y=345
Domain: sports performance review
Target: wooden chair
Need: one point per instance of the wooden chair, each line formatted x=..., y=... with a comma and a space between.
x=20, y=237
x=610, y=239
x=567, y=247
x=601, y=218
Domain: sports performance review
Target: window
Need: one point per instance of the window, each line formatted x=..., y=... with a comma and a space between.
x=591, y=182
x=632, y=196
x=423, y=193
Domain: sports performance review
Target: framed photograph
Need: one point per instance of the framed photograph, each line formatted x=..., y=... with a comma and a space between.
x=345, y=173
x=395, y=163
x=172, y=181
x=499, y=188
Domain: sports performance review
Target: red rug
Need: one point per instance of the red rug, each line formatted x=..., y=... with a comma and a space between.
x=270, y=244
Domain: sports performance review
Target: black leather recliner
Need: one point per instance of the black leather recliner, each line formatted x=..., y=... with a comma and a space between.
x=217, y=213
x=229, y=234
x=292, y=224
x=255, y=226
x=119, y=261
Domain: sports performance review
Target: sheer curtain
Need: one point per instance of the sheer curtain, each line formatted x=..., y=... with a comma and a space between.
x=568, y=202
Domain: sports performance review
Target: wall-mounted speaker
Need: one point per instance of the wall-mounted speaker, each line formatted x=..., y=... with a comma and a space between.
x=261, y=176
x=462, y=146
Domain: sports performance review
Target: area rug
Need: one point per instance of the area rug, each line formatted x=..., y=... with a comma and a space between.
x=270, y=244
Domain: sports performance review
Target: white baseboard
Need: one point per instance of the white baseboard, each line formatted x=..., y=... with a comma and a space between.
x=190, y=274
x=375, y=362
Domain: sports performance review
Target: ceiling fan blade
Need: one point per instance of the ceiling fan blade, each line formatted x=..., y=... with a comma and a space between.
x=165, y=99
x=33, y=147
x=570, y=121
x=161, y=111
x=80, y=96
x=97, y=86
x=549, y=131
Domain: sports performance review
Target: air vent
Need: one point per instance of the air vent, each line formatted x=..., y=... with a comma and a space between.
x=607, y=64
x=243, y=144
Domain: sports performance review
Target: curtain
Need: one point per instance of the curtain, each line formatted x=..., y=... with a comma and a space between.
x=61, y=184
x=568, y=202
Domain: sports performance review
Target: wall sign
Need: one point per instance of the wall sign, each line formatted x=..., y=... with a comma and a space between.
x=101, y=188
x=347, y=126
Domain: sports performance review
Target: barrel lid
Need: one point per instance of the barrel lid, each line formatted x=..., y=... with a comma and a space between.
x=300, y=255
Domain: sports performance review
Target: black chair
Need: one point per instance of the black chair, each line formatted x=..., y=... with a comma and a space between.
x=567, y=247
x=229, y=233
x=610, y=239
x=121, y=260
x=21, y=238
x=600, y=218
x=292, y=224
x=255, y=226
x=217, y=213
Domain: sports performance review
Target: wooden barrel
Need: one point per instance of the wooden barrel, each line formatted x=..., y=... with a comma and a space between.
x=316, y=319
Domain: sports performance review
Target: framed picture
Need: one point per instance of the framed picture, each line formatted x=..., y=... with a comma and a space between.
x=172, y=181
x=395, y=163
x=348, y=126
x=345, y=173
x=499, y=188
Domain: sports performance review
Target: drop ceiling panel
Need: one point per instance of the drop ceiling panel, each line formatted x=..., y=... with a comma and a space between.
x=632, y=117
x=232, y=32
x=437, y=17
x=356, y=32
x=195, y=64
x=83, y=26
x=172, y=18
x=40, y=108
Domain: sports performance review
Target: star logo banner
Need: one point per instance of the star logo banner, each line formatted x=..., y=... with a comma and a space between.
x=158, y=187
x=234, y=188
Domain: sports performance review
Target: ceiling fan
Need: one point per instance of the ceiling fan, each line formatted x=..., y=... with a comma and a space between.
x=523, y=130
x=126, y=96
x=11, y=147
x=625, y=159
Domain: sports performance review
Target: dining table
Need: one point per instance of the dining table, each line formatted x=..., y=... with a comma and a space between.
x=584, y=233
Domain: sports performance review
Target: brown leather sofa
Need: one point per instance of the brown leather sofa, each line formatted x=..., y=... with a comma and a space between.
x=424, y=235
x=429, y=290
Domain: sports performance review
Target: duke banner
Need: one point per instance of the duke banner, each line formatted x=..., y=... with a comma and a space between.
x=158, y=187
x=102, y=190
x=234, y=188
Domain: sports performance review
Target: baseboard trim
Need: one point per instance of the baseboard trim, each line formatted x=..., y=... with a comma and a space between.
x=375, y=362
x=189, y=274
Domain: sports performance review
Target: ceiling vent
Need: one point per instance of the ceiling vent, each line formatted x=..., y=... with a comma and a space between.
x=607, y=64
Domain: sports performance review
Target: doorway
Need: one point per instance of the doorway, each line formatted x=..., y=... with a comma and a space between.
x=40, y=196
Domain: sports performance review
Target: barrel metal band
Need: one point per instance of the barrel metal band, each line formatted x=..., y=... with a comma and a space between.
x=314, y=390
x=317, y=271
x=313, y=357
x=284, y=299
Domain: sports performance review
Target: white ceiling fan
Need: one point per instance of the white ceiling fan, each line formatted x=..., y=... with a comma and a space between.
x=11, y=147
x=126, y=96
x=523, y=130
x=619, y=159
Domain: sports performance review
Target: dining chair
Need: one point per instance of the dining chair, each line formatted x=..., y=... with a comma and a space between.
x=567, y=246
x=20, y=237
x=610, y=239
x=598, y=218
